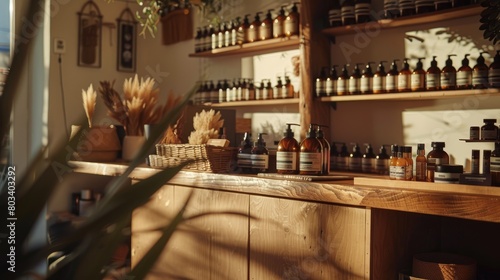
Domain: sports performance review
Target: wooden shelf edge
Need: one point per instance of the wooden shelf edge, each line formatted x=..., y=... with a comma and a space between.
x=478, y=141
x=433, y=17
x=284, y=101
x=421, y=95
x=271, y=44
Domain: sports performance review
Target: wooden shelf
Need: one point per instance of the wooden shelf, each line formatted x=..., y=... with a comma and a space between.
x=421, y=95
x=267, y=45
x=269, y=102
x=478, y=141
x=455, y=13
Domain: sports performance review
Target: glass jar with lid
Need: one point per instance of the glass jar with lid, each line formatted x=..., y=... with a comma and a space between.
x=489, y=131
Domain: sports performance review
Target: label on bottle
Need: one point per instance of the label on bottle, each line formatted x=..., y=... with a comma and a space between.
x=278, y=29
x=244, y=161
x=355, y=164
x=494, y=77
x=464, y=78
x=391, y=8
x=448, y=79
x=391, y=82
x=432, y=80
x=335, y=17
x=205, y=97
x=494, y=164
x=420, y=170
x=258, y=93
x=354, y=85
x=252, y=33
x=278, y=93
x=347, y=12
x=342, y=163
x=446, y=178
x=367, y=165
x=213, y=42
x=409, y=172
x=341, y=86
x=214, y=96
x=284, y=92
x=382, y=165
x=310, y=161
x=222, y=95
x=366, y=84
x=489, y=134
x=229, y=95
x=480, y=78
x=227, y=38
x=291, y=26
x=362, y=9
x=234, y=37
x=320, y=87
x=397, y=172
x=432, y=162
x=378, y=83
x=403, y=82
x=260, y=161
x=329, y=89
x=265, y=32
x=286, y=161
x=417, y=81
x=220, y=39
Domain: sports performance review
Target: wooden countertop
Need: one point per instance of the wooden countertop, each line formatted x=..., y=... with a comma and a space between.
x=451, y=200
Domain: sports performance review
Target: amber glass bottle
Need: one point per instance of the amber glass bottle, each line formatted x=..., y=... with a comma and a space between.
x=311, y=154
x=382, y=162
x=292, y=21
x=278, y=89
x=407, y=7
x=320, y=85
x=331, y=82
x=268, y=90
x=391, y=79
x=279, y=24
x=433, y=76
x=260, y=155
x=420, y=163
x=244, y=160
x=409, y=162
x=325, y=168
x=400, y=170
x=290, y=91
x=243, y=30
x=287, y=154
x=436, y=157
x=343, y=158
x=253, y=29
x=368, y=160
x=480, y=73
x=355, y=159
x=418, y=77
x=379, y=79
x=449, y=75
x=393, y=170
x=495, y=165
x=366, y=84
x=347, y=12
x=464, y=74
x=343, y=82
x=404, y=77
x=266, y=27
x=355, y=80
x=494, y=72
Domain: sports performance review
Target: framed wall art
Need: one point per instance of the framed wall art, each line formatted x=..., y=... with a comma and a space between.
x=89, y=35
x=127, y=32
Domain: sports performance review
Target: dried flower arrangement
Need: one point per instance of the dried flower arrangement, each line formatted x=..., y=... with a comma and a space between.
x=206, y=126
x=139, y=105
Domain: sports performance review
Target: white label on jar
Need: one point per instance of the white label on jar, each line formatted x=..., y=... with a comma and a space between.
x=354, y=85
x=480, y=77
x=347, y=12
x=489, y=134
x=378, y=83
x=445, y=177
x=265, y=32
x=286, y=160
x=252, y=33
x=403, y=82
x=494, y=77
x=390, y=82
x=244, y=160
x=277, y=28
x=366, y=84
x=448, y=79
x=334, y=15
x=417, y=81
x=494, y=164
x=397, y=172
x=341, y=85
x=310, y=161
x=291, y=26
x=432, y=80
x=260, y=161
x=329, y=87
x=234, y=37
x=354, y=164
x=320, y=87
x=464, y=78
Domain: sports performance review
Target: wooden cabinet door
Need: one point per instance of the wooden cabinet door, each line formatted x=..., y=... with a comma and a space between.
x=301, y=240
x=211, y=246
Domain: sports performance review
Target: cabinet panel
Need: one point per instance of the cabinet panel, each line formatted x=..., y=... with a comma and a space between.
x=301, y=240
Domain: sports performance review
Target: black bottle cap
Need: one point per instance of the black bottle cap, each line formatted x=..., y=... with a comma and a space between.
x=343, y=149
x=246, y=20
x=356, y=70
x=449, y=62
x=294, y=7
x=369, y=149
x=269, y=15
x=421, y=146
x=465, y=61
x=382, y=150
x=407, y=149
x=381, y=67
x=406, y=66
x=480, y=59
x=394, y=67
x=394, y=148
x=490, y=120
x=420, y=65
x=434, y=63
x=282, y=10
x=288, y=131
x=260, y=141
x=356, y=148
x=247, y=139
x=319, y=131
x=311, y=133
x=257, y=17
x=438, y=144
x=344, y=71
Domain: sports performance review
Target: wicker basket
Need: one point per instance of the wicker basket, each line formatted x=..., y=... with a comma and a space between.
x=206, y=158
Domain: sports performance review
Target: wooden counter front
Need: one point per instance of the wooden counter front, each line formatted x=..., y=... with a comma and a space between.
x=450, y=200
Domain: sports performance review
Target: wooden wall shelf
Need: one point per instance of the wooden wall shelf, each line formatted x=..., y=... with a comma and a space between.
x=472, y=10
x=267, y=45
x=421, y=95
x=253, y=103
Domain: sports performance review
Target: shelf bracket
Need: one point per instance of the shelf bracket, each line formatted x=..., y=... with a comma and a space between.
x=333, y=105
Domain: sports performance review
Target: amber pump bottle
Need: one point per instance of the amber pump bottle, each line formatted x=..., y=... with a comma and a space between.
x=366, y=83
x=379, y=79
x=449, y=75
x=480, y=73
x=362, y=11
x=420, y=163
x=382, y=161
x=343, y=81
x=253, y=29
x=464, y=74
x=355, y=159
x=331, y=82
x=347, y=12
x=355, y=80
x=290, y=91
x=244, y=160
x=433, y=76
x=311, y=154
x=368, y=160
x=494, y=72
x=279, y=24
x=418, y=77
x=292, y=21
x=343, y=158
x=320, y=85
x=268, y=91
x=287, y=154
x=278, y=89
x=391, y=79
x=404, y=77
x=260, y=155
x=266, y=26
x=325, y=168
x=407, y=7
x=243, y=30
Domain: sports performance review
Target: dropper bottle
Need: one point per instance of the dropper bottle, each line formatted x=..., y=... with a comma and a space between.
x=311, y=154
x=391, y=81
x=379, y=79
x=418, y=77
x=287, y=154
x=464, y=74
x=325, y=170
x=449, y=75
x=432, y=77
x=404, y=77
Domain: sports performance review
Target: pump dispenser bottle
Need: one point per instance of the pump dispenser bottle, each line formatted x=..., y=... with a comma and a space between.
x=287, y=154
x=253, y=29
x=320, y=85
x=343, y=158
x=343, y=82
x=325, y=169
x=243, y=30
x=266, y=27
x=292, y=20
x=433, y=76
x=391, y=81
x=464, y=74
x=331, y=82
x=260, y=155
x=355, y=159
x=311, y=154
x=404, y=77
x=480, y=73
x=449, y=75
x=382, y=162
x=278, y=90
x=278, y=24
x=368, y=160
x=244, y=159
x=366, y=84
x=268, y=91
x=379, y=79
x=355, y=80
x=494, y=72
x=418, y=77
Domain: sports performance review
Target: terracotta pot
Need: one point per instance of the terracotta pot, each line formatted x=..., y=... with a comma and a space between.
x=99, y=144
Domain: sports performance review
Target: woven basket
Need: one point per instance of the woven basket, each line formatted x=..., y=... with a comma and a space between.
x=206, y=158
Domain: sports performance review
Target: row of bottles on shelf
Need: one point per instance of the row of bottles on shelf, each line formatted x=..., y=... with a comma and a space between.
x=448, y=78
x=368, y=162
x=309, y=157
x=243, y=90
x=359, y=11
x=235, y=32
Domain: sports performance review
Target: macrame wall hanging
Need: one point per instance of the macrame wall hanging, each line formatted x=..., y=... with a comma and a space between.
x=127, y=41
x=89, y=35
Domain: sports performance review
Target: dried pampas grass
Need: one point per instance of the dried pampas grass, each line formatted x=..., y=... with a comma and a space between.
x=89, y=101
x=206, y=125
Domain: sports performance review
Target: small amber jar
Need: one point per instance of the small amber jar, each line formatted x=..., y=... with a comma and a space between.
x=489, y=131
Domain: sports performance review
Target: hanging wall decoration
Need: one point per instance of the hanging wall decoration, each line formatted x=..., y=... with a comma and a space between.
x=127, y=34
x=89, y=35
